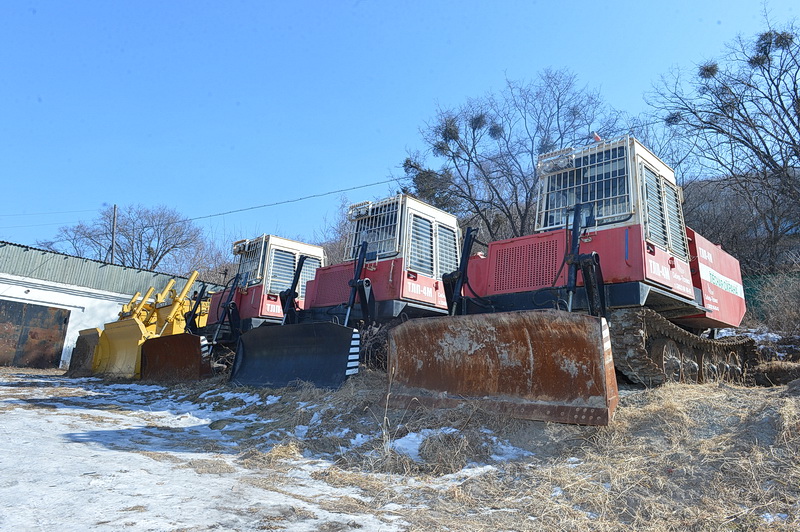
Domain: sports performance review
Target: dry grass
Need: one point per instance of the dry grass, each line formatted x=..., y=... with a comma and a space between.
x=678, y=457
x=778, y=305
x=711, y=457
x=775, y=373
x=209, y=467
x=255, y=459
x=6, y=370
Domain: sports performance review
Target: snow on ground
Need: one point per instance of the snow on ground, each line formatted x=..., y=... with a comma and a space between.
x=78, y=454
x=84, y=454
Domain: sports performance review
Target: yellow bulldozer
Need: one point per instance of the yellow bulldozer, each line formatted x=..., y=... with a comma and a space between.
x=119, y=348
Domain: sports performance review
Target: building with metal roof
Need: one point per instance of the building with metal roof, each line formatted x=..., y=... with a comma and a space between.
x=47, y=297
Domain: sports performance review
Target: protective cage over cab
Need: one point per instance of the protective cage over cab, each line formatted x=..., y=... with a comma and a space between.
x=409, y=246
x=266, y=267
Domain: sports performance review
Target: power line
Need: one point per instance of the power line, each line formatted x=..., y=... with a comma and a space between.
x=35, y=225
x=45, y=213
x=284, y=202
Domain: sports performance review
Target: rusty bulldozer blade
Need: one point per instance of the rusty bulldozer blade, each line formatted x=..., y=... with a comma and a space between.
x=175, y=358
x=323, y=354
x=543, y=365
x=80, y=363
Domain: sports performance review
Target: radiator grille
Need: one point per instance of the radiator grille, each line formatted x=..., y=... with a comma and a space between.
x=528, y=266
x=448, y=250
x=677, y=234
x=664, y=222
x=421, y=253
x=309, y=271
x=281, y=270
x=332, y=287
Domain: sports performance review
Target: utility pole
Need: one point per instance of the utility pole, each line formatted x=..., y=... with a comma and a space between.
x=114, y=234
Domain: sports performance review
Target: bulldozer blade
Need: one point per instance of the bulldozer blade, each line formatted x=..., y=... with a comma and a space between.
x=543, y=365
x=118, y=353
x=80, y=363
x=323, y=354
x=175, y=358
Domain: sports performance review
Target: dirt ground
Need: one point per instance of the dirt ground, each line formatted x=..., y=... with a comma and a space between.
x=678, y=457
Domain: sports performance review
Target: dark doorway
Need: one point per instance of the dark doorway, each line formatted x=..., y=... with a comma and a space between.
x=31, y=336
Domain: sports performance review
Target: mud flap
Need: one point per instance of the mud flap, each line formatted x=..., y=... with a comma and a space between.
x=323, y=354
x=118, y=353
x=80, y=363
x=176, y=358
x=543, y=365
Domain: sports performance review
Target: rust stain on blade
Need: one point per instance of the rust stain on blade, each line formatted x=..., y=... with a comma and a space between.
x=540, y=364
x=174, y=358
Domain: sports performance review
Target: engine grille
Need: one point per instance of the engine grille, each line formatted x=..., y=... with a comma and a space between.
x=528, y=266
x=332, y=287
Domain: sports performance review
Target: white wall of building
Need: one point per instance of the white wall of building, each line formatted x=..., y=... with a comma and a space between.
x=88, y=307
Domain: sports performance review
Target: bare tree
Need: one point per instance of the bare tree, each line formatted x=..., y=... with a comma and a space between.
x=216, y=264
x=757, y=228
x=145, y=238
x=670, y=145
x=333, y=236
x=740, y=117
x=488, y=149
x=743, y=111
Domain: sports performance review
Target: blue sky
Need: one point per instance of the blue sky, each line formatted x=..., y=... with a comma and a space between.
x=211, y=107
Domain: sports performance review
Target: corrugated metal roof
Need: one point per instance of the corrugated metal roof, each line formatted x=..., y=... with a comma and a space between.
x=26, y=261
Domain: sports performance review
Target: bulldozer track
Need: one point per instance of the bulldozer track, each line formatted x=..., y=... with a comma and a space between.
x=648, y=349
x=651, y=350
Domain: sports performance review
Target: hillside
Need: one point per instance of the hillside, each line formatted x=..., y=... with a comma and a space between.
x=678, y=457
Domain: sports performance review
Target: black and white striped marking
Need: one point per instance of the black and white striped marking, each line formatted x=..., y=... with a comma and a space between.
x=352, y=358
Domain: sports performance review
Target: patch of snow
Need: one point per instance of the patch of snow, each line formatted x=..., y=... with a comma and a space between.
x=469, y=472
x=247, y=399
x=409, y=444
x=86, y=455
x=772, y=518
x=232, y=427
x=489, y=511
x=137, y=388
x=186, y=419
x=272, y=399
x=392, y=506
x=504, y=451
x=359, y=440
x=759, y=335
x=340, y=433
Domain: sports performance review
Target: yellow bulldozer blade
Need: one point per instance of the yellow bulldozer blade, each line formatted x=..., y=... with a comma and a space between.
x=118, y=353
x=543, y=365
x=80, y=363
